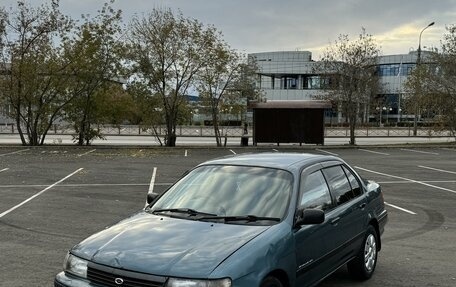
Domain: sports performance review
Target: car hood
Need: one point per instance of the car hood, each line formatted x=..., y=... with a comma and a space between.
x=166, y=246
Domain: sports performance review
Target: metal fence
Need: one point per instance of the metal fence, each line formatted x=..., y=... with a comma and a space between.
x=230, y=131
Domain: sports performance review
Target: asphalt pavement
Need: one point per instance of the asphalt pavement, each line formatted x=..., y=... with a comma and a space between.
x=55, y=196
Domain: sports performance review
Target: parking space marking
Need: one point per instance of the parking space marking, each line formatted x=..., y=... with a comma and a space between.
x=331, y=153
x=419, y=151
x=407, y=182
x=5, y=169
x=375, y=152
x=407, y=179
x=152, y=181
x=39, y=193
x=185, y=154
x=400, y=208
x=232, y=151
x=15, y=152
x=436, y=169
x=276, y=150
x=86, y=153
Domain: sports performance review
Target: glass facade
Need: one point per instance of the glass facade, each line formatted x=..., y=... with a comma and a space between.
x=401, y=69
x=299, y=82
x=316, y=82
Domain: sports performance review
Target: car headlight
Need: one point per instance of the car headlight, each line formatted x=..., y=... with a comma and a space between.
x=75, y=266
x=176, y=282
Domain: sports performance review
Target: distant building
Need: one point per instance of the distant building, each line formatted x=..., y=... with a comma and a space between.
x=393, y=71
x=288, y=75
x=291, y=76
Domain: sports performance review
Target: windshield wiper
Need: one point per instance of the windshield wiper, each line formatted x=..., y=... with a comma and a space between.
x=183, y=210
x=248, y=218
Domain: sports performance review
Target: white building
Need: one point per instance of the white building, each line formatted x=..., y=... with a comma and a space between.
x=292, y=76
x=287, y=75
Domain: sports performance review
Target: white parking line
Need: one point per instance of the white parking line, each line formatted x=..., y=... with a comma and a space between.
x=331, y=153
x=152, y=181
x=436, y=169
x=186, y=153
x=5, y=169
x=407, y=179
x=371, y=151
x=276, y=150
x=400, y=208
x=86, y=153
x=15, y=152
x=419, y=151
x=39, y=193
x=232, y=151
x=407, y=182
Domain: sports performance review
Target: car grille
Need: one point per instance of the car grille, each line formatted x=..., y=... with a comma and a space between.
x=106, y=276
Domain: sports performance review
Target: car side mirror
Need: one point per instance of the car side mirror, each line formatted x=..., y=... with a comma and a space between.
x=151, y=197
x=310, y=216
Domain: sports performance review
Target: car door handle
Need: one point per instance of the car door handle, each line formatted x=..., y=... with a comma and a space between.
x=335, y=220
x=362, y=205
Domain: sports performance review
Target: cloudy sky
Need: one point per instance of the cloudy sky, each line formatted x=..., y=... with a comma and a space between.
x=288, y=25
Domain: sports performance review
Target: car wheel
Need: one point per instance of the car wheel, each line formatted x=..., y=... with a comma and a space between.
x=363, y=266
x=271, y=281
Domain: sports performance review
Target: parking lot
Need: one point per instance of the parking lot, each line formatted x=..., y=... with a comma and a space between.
x=53, y=197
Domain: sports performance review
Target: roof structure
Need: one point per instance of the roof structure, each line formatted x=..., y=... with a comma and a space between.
x=312, y=104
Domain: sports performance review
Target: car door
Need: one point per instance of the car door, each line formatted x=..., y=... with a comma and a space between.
x=313, y=243
x=347, y=215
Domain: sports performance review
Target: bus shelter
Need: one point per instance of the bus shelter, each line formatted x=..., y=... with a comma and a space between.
x=289, y=121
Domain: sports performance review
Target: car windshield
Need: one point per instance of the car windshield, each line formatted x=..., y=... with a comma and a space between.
x=222, y=190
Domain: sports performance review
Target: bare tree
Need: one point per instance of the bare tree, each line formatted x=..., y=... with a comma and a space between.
x=223, y=82
x=432, y=85
x=352, y=66
x=96, y=52
x=166, y=52
x=146, y=111
x=35, y=68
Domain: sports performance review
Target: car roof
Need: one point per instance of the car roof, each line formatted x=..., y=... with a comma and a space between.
x=287, y=161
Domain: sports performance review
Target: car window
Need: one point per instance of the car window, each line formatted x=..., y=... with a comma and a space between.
x=356, y=188
x=231, y=191
x=340, y=187
x=315, y=192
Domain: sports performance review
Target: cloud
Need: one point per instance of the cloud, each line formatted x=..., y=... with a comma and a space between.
x=271, y=25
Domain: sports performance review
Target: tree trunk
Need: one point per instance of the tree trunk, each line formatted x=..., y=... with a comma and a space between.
x=215, y=123
x=170, y=138
x=157, y=135
x=352, y=130
x=81, y=133
x=19, y=128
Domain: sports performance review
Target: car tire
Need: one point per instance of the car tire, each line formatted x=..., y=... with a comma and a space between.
x=363, y=266
x=271, y=281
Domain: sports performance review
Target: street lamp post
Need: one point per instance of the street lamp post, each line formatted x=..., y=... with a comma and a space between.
x=418, y=63
x=418, y=59
x=380, y=114
x=388, y=110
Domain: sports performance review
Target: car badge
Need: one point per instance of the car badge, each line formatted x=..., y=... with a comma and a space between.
x=119, y=281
